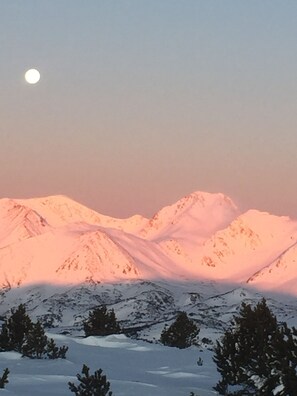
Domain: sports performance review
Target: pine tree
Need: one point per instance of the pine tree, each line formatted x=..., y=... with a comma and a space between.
x=91, y=385
x=35, y=342
x=5, y=344
x=182, y=333
x=257, y=356
x=282, y=357
x=101, y=322
x=52, y=350
x=4, y=378
x=14, y=329
x=20, y=334
x=62, y=352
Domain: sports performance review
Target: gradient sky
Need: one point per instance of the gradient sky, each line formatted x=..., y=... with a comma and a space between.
x=142, y=102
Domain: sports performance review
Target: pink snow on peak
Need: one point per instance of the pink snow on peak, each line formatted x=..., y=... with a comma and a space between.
x=60, y=210
x=199, y=212
x=57, y=240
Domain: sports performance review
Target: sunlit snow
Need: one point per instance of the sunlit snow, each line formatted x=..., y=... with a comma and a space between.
x=201, y=236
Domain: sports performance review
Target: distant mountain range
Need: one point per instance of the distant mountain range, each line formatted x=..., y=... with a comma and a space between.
x=199, y=255
x=203, y=236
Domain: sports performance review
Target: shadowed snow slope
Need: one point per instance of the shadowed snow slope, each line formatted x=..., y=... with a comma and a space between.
x=202, y=236
x=152, y=369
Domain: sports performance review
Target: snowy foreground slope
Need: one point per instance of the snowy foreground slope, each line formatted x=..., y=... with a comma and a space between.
x=132, y=367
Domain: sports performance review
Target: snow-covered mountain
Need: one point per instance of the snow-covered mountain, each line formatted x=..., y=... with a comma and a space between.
x=19, y=222
x=202, y=236
x=62, y=258
x=193, y=218
x=60, y=210
x=250, y=243
x=282, y=272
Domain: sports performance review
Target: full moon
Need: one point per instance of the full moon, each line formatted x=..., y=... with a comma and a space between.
x=32, y=76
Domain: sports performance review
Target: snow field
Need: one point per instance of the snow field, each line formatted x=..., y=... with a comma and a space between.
x=132, y=367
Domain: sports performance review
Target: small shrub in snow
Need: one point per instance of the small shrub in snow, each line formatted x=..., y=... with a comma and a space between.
x=206, y=341
x=52, y=351
x=91, y=385
x=4, y=378
x=182, y=333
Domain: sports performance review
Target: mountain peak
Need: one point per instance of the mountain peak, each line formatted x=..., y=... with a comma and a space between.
x=19, y=222
x=201, y=235
x=60, y=210
x=204, y=198
x=200, y=211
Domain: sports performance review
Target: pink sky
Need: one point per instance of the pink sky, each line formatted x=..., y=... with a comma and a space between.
x=142, y=103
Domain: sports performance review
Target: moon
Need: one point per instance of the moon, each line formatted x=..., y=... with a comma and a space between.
x=32, y=76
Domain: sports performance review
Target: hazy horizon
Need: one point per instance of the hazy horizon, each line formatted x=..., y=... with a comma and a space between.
x=141, y=103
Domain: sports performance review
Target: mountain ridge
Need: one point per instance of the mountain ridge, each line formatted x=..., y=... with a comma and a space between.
x=201, y=236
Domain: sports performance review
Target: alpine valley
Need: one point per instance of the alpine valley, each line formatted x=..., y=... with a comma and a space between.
x=199, y=255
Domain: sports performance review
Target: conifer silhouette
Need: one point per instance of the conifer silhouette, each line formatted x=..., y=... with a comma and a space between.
x=91, y=385
x=182, y=333
x=257, y=356
x=101, y=322
x=4, y=378
x=20, y=334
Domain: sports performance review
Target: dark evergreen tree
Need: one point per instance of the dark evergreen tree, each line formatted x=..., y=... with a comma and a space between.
x=14, y=329
x=257, y=356
x=62, y=352
x=182, y=333
x=52, y=350
x=35, y=342
x=20, y=334
x=101, y=322
x=4, y=378
x=5, y=344
x=282, y=358
x=91, y=385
